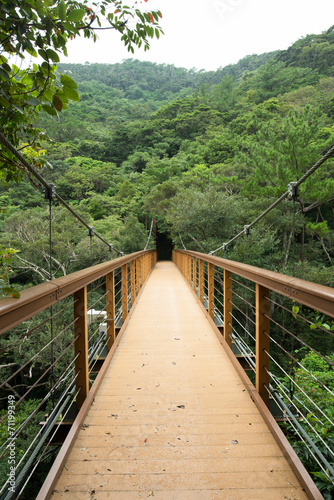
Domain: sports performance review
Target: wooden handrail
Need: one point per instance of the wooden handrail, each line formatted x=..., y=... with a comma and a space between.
x=318, y=297
x=36, y=299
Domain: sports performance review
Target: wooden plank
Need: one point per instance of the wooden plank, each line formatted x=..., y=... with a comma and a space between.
x=172, y=417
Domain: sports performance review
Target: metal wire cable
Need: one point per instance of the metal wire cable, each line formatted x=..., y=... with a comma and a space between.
x=149, y=237
x=244, y=314
x=46, y=397
x=328, y=332
x=37, y=462
x=242, y=299
x=8, y=346
x=243, y=327
x=42, y=376
x=294, y=185
x=284, y=390
x=42, y=181
x=37, y=354
x=299, y=339
x=247, y=352
x=243, y=285
x=303, y=436
x=182, y=242
x=295, y=383
x=300, y=365
x=317, y=434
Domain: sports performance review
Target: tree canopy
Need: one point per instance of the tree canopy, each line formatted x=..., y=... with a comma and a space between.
x=41, y=31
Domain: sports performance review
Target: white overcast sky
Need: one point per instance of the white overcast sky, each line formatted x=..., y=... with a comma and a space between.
x=208, y=34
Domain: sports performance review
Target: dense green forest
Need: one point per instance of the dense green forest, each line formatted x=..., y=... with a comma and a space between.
x=204, y=153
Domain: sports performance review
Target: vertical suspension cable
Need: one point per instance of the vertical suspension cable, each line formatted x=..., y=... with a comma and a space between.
x=247, y=233
x=293, y=236
x=91, y=234
x=293, y=193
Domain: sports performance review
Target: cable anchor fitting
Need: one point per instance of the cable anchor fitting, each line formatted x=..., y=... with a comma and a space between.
x=110, y=247
x=247, y=230
x=293, y=189
x=224, y=247
x=50, y=192
x=91, y=231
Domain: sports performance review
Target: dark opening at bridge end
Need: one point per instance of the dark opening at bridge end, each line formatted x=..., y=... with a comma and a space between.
x=164, y=245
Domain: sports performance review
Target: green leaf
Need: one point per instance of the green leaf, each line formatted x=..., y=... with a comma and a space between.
x=76, y=15
x=18, y=108
x=295, y=311
x=4, y=102
x=71, y=94
x=50, y=110
x=62, y=11
x=34, y=101
x=43, y=54
x=57, y=102
x=4, y=74
x=68, y=82
x=52, y=55
x=8, y=290
x=7, y=68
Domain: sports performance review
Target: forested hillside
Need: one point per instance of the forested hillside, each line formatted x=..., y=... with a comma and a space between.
x=203, y=152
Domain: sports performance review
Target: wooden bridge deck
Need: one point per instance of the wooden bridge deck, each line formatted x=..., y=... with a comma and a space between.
x=172, y=418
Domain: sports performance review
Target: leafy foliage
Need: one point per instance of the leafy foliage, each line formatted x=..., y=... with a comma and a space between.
x=43, y=29
x=203, y=153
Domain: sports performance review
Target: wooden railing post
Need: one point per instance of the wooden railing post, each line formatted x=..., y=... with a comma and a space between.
x=124, y=292
x=201, y=280
x=133, y=281
x=146, y=267
x=262, y=342
x=189, y=269
x=228, y=307
x=139, y=266
x=194, y=273
x=211, y=290
x=111, y=327
x=81, y=346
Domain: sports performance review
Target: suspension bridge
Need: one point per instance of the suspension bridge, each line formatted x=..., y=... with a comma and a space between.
x=171, y=412
x=165, y=378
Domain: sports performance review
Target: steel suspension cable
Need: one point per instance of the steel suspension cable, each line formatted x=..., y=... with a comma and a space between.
x=48, y=186
x=149, y=236
x=292, y=189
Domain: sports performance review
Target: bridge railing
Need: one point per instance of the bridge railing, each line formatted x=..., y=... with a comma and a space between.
x=53, y=339
x=281, y=331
